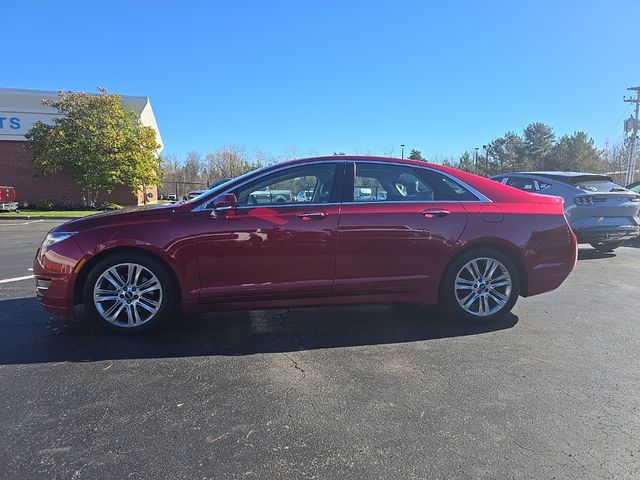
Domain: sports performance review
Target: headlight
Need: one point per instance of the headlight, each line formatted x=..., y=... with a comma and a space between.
x=55, y=237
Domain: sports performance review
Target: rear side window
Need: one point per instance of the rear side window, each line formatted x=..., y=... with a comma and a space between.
x=377, y=182
x=521, y=183
x=526, y=184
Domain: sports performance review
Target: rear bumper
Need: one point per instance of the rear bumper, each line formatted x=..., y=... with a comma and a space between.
x=8, y=206
x=555, y=260
x=607, y=234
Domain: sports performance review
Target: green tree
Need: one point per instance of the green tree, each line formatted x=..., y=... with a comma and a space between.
x=416, y=155
x=538, y=143
x=99, y=143
x=506, y=154
x=578, y=153
x=466, y=163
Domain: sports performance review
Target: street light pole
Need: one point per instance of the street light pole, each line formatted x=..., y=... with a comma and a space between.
x=402, y=147
x=486, y=162
x=476, y=160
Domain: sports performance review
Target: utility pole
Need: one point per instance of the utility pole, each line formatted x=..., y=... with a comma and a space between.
x=631, y=165
x=402, y=147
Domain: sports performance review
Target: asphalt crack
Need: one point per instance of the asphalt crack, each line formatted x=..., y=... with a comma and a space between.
x=295, y=365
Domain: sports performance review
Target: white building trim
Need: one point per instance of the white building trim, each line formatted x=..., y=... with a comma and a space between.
x=21, y=108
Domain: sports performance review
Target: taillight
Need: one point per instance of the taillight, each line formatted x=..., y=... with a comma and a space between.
x=584, y=201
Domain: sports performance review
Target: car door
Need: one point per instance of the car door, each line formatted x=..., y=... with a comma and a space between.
x=272, y=243
x=397, y=224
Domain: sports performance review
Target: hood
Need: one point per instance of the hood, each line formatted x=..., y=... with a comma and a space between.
x=115, y=217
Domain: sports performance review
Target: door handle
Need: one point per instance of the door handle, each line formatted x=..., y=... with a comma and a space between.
x=313, y=216
x=435, y=212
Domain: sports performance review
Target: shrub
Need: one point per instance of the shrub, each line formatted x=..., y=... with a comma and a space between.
x=109, y=206
x=45, y=205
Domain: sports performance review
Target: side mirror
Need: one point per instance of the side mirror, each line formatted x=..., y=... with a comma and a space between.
x=224, y=205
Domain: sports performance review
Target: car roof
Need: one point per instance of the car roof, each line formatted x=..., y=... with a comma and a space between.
x=485, y=186
x=569, y=177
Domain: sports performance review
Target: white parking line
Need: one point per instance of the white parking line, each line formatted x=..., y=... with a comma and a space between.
x=16, y=279
x=22, y=223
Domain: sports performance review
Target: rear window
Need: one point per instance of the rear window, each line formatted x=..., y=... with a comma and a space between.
x=598, y=185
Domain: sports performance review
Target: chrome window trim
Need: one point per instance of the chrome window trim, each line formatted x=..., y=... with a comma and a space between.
x=279, y=205
x=481, y=198
x=406, y=202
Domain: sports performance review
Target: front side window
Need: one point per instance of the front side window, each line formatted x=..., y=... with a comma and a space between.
x=379, y=182
x=302, y=184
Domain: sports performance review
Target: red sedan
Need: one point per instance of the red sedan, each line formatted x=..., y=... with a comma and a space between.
x=367, y=230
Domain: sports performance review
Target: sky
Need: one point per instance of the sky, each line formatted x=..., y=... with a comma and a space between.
x=314, y=77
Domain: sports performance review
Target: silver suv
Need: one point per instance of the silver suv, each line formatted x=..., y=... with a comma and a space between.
x=600, y=212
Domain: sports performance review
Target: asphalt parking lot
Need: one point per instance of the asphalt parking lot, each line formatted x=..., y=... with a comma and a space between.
x=359, y=392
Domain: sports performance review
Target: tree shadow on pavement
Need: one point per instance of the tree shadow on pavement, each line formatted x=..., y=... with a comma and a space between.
x=29, y=335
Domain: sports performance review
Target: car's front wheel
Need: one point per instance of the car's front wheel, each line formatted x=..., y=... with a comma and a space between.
x=481, y=286
x=129, y=292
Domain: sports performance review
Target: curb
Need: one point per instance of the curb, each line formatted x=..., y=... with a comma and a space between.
x=37, y=217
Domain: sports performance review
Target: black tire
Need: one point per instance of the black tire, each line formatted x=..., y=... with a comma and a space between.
x=165, y=296
x=606, y=247
x=490, y=289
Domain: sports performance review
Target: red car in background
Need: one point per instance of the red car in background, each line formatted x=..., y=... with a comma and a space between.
x=427, y=234
x=8, y=199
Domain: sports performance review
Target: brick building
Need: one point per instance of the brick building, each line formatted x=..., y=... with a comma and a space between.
x=19, y=109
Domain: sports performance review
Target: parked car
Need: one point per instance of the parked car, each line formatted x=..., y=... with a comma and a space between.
x=269, y=197
x=304, y=196
x=194, y=193
x=8, y=199
x=172, y=197
x=600, y=212
x=634, y=187
x=439, y=236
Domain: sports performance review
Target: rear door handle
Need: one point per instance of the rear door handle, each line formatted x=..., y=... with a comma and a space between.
x=313, y=216
x=435, y=212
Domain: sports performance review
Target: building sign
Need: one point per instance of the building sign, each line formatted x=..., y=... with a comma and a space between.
x=17, y=124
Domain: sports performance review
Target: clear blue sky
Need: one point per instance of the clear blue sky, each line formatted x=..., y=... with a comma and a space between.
x=353, y=76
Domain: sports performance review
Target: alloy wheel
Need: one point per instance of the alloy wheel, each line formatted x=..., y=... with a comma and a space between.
x=127, y=295
x=483, y=286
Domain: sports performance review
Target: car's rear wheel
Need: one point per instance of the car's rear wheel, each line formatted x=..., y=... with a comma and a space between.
x=481, y=286
x=129, y=292
x=606, y=247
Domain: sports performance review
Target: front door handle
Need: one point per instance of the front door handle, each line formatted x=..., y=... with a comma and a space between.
x=313, y=216
x=435, y=212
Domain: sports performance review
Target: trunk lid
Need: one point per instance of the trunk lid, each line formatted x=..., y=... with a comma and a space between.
x=610, y=204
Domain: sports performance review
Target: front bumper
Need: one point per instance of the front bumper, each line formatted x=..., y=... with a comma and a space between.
x=55, y=277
